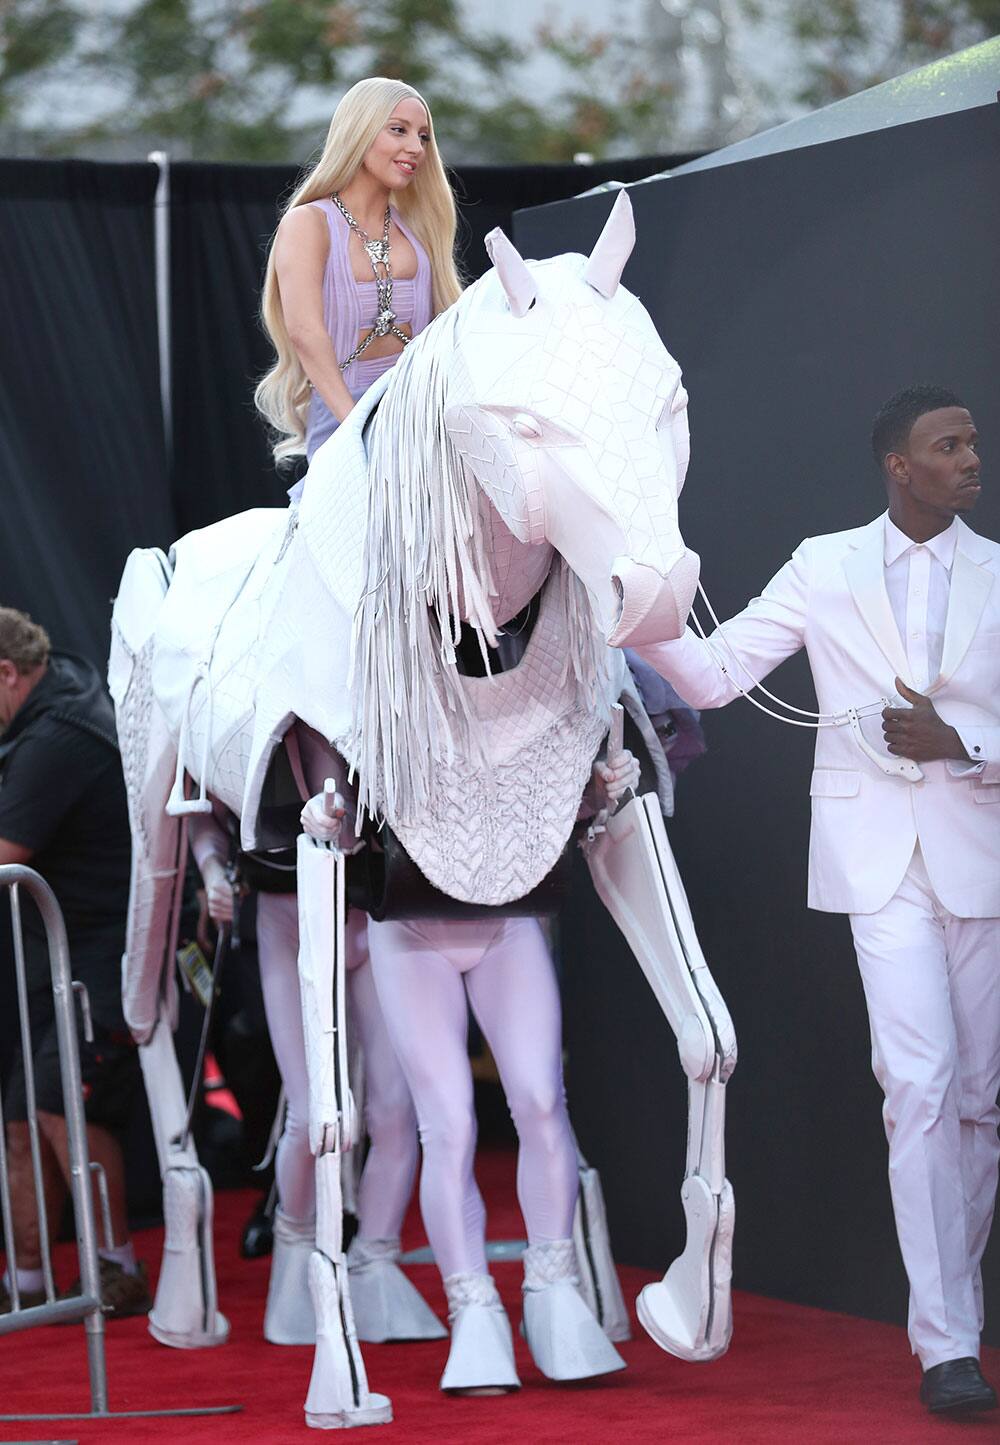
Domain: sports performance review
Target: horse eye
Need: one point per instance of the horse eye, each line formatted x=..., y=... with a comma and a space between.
x=526, y=426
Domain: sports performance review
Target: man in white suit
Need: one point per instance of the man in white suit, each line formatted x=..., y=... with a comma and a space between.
x=909, y=604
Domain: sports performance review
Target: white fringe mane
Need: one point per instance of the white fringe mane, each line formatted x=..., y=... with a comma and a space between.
x=427, y=566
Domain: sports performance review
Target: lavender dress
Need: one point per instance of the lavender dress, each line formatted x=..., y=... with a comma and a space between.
x=349, y=311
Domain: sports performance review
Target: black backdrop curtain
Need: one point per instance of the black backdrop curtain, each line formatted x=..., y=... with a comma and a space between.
x=82, y=469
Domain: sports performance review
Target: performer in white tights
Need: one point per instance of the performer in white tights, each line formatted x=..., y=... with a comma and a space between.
x=391, y=1164
x=433, y=971
x=427, y=974
x=386, y=1306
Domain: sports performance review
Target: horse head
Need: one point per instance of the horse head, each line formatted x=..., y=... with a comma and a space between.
x=540, y=414
x=570, y=412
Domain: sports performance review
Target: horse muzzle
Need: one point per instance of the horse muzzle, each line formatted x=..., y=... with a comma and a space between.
x=654, y=605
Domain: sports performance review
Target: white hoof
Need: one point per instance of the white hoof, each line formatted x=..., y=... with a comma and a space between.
x=377, y=1411
x=190, y=1339
x=386, y=1305
x=482, y=1350
x=338, y=1397
x=565, y=1339
x=289, y=1318
x=689, y=1312
x=184, y=1314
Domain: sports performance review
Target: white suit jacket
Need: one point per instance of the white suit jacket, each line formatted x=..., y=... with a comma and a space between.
x=830, y=598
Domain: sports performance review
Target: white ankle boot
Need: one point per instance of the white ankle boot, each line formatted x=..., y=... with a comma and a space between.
x=482, y=1350
x=288, y=1317
x=386, y=1305
x=564, y=1338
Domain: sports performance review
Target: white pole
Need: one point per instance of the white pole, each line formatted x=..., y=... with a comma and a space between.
x=161, y=238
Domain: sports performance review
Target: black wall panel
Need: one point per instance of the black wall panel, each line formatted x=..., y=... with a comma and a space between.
x=798, y=291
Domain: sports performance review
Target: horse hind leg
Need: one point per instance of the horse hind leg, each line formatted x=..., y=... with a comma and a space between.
x=689, y=1311
x=184, y=1313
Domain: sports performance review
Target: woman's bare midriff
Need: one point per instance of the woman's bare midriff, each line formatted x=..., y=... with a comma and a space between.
x=383, y=345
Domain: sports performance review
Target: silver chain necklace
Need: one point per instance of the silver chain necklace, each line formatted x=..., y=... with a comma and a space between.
x=377, y=252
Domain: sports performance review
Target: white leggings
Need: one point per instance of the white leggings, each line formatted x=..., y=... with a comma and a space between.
x=423, y=972
x=387, y=1181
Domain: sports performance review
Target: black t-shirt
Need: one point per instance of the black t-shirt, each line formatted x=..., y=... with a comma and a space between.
x=63, y=796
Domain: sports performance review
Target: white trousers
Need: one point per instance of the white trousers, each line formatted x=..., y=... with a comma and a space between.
x=932, y=984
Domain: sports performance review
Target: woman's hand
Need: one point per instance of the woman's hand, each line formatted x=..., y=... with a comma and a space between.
x=323, y=816
x=616, y=775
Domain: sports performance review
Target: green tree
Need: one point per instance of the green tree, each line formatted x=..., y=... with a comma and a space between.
x=847, y=45
x=604, y=103
x=36, y=36
x=253, y=80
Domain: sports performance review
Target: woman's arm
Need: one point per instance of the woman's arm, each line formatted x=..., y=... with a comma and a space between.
x=301, y=247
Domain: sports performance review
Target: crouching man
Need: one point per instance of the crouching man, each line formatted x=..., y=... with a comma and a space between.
x=63, y=812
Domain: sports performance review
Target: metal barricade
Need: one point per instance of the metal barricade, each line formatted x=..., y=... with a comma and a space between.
x=87, y=1305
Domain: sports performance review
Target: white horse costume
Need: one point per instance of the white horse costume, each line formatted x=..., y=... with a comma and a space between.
x=533, y=440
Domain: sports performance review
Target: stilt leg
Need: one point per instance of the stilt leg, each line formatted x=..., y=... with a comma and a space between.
x=689, y=1311
x=338, y=1396
x=184, y=1313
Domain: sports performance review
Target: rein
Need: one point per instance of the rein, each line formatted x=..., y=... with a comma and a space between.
x=805, y=718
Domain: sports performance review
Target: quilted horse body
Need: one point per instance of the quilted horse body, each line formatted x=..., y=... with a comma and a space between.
x=527, y=448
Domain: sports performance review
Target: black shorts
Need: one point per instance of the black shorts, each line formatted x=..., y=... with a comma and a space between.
x=109, y=1070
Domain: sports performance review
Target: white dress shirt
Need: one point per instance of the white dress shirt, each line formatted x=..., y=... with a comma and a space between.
x=918, y=581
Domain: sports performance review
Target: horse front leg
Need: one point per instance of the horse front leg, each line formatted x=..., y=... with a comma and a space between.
x=338, y=1395
x=689, y=1311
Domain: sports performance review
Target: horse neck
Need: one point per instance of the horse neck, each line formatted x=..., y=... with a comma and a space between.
x=518, y=568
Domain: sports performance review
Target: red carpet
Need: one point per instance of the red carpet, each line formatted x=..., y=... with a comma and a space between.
x=792, y=1375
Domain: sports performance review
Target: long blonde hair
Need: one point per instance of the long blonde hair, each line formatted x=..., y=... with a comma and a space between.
x=427, y=205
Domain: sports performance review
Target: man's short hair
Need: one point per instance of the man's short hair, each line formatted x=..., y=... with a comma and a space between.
x=894, y=421
x=22, y=641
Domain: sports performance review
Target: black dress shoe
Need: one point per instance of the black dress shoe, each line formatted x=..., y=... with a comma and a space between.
x=257, y=1239
x=956, y=1388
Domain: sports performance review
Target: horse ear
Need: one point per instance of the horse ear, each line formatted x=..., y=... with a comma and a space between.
x=515, y=278
x=614, y=245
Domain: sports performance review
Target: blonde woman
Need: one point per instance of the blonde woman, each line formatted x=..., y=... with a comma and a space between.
x=362, y=261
